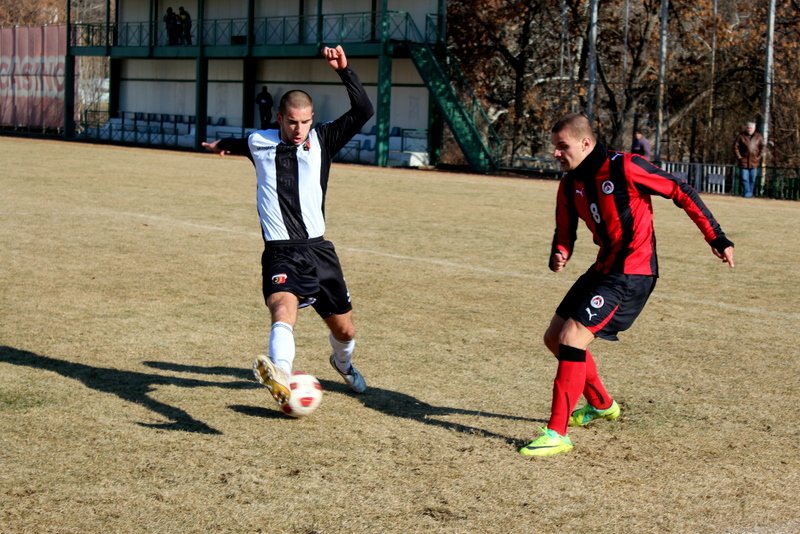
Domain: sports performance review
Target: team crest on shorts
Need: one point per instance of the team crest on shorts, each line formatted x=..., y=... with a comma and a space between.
x=279, y=279
x=607, y=187
x=597, y=302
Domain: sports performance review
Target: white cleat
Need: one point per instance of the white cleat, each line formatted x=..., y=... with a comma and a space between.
x=273, y=378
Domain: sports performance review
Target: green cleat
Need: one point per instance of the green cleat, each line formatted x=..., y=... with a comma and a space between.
x=587, y=414
x=549, y=443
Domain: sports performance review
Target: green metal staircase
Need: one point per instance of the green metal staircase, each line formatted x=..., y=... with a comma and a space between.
x=460, y=107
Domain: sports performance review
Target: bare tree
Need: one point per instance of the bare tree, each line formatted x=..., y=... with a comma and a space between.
x=528, y=63
x=32, y=12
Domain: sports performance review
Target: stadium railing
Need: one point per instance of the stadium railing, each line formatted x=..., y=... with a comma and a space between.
x=357, y=27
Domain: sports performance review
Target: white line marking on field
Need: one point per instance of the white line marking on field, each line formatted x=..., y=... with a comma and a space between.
x=447, y=263
x=689, y=300
x=180, y=222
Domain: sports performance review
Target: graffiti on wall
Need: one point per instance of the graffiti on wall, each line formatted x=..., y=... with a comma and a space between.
x=32, y=63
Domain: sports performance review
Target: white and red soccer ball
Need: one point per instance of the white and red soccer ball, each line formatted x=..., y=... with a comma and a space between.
x=306, y=395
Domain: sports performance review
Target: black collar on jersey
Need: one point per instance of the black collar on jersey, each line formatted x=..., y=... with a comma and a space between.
x=587, y=169
x=305, y=144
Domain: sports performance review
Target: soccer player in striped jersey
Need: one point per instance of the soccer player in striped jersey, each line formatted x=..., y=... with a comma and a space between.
x=611, y=192
x=299, y=266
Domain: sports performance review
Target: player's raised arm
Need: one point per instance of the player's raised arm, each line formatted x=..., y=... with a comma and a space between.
x=335, y=134
x=336, y=57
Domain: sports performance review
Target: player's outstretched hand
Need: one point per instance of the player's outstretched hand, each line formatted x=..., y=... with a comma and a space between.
x=212, y=147
x=335, y=56
x=726, y=255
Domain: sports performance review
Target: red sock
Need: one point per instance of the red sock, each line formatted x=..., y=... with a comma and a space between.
x=567, y=387
x=594, y=391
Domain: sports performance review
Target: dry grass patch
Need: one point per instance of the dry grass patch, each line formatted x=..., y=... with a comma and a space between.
x=130, y=309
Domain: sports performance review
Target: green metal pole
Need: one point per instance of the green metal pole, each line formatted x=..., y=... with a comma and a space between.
x=384, y=107
x=319, y=23
x=248, y=91
x=201, y=83
x=249, y=65
x=109, y=34
x=153, y=41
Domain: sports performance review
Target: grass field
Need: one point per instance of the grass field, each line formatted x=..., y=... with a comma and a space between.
x=130, y=311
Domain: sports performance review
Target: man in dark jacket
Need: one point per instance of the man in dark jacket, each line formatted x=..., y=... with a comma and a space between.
x=748, y=149
x=171, y=25
x=185, y=24
x=264, y=103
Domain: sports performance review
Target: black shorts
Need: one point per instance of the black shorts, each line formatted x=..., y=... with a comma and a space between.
x=606, y=304
x=310, y=270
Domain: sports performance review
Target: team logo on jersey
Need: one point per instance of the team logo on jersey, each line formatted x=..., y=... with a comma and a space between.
x=597, y=302
x=607, y=187
x=279, y=279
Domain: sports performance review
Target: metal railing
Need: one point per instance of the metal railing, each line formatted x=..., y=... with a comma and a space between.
x=138, y=128
x=82, y=34
x=283, y=30
x=705, y=177
x=225, y=32
x=362, y=27
x=132, y=34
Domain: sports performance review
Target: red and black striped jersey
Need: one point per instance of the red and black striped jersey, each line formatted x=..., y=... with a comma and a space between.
x=611, y=191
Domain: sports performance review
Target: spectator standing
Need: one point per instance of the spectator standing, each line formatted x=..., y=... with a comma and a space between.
x=186, y=26
x=641, y=146
x=748, y=149
x=264, y=103
x=171, y=25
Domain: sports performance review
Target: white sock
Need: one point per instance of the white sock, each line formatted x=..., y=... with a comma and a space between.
x=342, y=352
x=281, y=346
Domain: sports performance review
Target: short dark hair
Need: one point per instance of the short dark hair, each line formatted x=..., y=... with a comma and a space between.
x=295, y=99
x=578, y=125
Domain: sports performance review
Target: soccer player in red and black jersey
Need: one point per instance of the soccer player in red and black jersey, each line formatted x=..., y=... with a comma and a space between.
x=611, y=192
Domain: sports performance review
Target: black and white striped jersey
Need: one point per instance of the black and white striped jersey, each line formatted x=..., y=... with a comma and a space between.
x=292, y=180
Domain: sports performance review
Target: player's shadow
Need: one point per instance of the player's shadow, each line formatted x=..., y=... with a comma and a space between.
x=398, y=404
x=389, y=402
x=136, y=387
x=132, y=386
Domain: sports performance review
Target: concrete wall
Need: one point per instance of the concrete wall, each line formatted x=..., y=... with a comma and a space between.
x=168, y=86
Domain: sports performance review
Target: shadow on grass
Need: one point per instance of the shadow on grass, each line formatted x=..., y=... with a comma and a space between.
x=129, y=385
x=388, y=402
x=398, y=404
x=136, y=387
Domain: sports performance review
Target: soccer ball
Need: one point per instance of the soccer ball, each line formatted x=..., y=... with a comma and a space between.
x=306, y=395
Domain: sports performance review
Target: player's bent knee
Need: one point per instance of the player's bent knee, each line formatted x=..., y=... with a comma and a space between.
x=342, y=336
x=343, y=332
x=551, y=340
